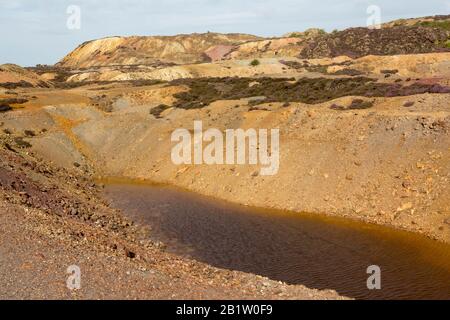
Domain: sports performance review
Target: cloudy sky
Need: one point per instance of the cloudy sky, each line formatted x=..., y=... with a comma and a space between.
x=35, y=31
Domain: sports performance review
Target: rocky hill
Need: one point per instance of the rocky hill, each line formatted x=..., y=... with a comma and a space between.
x=438, y=20
x=179, y=49
x=404, y=36
x=359, y=42
x=13, y=76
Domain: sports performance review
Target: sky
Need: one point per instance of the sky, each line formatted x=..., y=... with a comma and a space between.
x=36, y=31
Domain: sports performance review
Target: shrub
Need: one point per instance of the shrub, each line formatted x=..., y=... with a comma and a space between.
x=359, y=42
x=357, y=104
x=255, y=63
x=360, y=104
x=293, y=64
x=29, y=133
x=204, y=91
x=348, y=72
x=395, y=71
x=9, y=101
x=445, y=25
x=156, y=111
x=22, y=143
x=15, y=85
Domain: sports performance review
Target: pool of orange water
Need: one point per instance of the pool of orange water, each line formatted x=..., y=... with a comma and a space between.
x=316, y=251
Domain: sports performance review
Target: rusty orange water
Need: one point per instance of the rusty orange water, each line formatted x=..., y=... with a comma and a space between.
x=318, y=252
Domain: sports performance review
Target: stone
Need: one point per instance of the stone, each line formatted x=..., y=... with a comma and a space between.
x=404, y=207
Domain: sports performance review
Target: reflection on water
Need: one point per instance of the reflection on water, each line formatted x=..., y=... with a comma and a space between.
x=318, y=252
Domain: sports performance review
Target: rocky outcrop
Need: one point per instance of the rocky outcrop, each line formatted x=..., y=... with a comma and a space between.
x=218, y=52
x=269, y=48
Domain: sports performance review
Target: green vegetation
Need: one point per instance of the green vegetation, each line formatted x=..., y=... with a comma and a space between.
x=13, y=101
x=15, y=85
x=444, y=24
x=204, y=91
x=255, y=63
x=321, y=68
x=347, y=72
x=359, y=42
x=357, y=104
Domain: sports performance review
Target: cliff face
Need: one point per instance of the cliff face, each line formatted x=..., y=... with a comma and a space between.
x=269, y=48
x=180, y=49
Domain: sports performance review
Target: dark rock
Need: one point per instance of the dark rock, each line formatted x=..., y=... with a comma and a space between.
x=130, y=254
x=5, y=107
